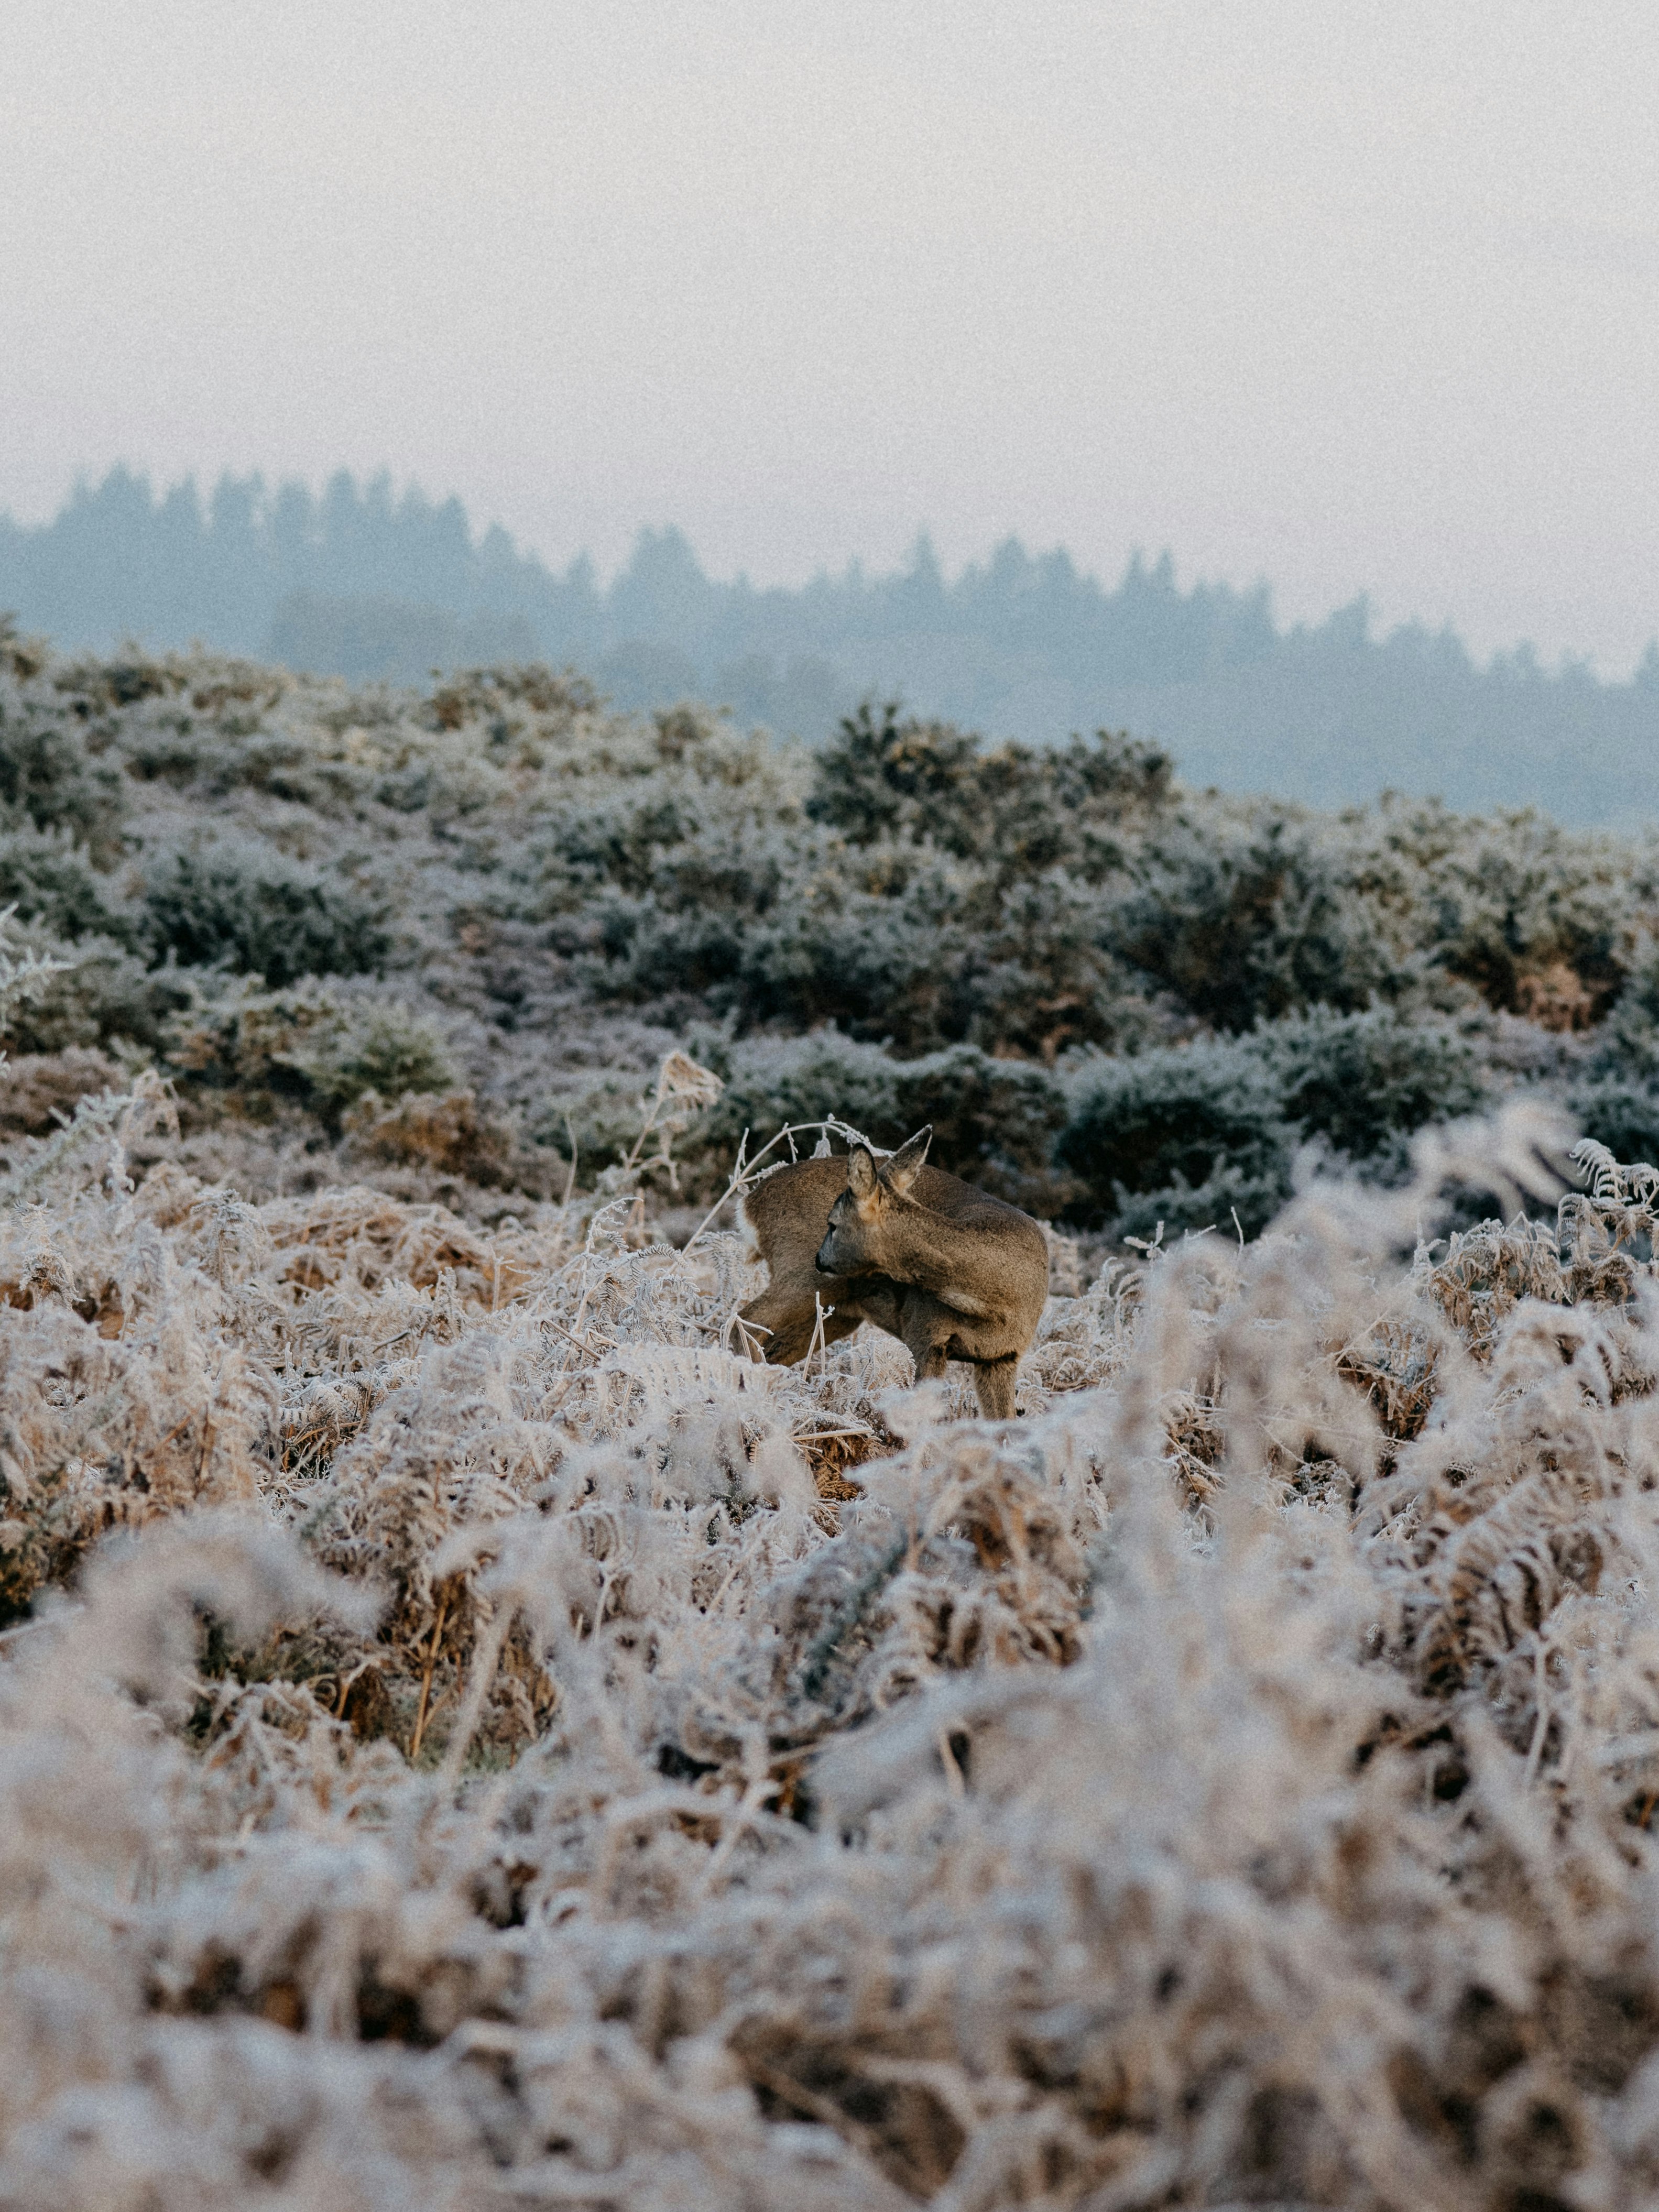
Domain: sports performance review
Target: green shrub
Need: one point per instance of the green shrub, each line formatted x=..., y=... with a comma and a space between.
x=49, y=881
x=1530, y=913
x=1363, y=1082
x=1614, y=1095
x=1619, y=1111
x=894, y=961
x=617, y=844
x=1199, y=1129
x=308, y=1042
x=1184, y=1135
x=377, y=1045
x=1022, y=809
x=106, y=997
x=248, y=907
x=48, y=774
x=1248, y=926
x=919, y=954
x=993, y=1121
x=1627, y=1045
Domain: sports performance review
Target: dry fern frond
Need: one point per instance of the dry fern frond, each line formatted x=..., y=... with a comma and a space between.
x=484, y=1758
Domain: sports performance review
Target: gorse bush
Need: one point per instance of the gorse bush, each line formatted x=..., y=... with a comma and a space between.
x=49, y=879
x=1542, y=923
x=1365, y=1082
x=901, y=948
x=562, y=891
x=49, y=777
x=379, y=1046
x=310, y=1042
x=994, y=1120
x=1186, y=1136
x=1614, y=1090
x=1260, y=921
x=251, y=909
x=103, y=995
x=1022, y=809
x=1619, y=1111
x=1197, y=1133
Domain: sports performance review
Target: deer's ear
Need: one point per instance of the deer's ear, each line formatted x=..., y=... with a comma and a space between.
x=860, y=1174
x=902, y=1171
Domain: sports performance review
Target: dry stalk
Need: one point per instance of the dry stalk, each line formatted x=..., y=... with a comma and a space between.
x=425, y=1679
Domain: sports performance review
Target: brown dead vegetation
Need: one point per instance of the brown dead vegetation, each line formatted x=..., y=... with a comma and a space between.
x=470, y=1737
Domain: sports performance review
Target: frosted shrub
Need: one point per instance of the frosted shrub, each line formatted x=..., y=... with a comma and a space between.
x=49, y=881
x=247, y=906
x=375, y=1045
x=565, y=890
x=994, y=1120
x=1189, y=1136
x=50, y=778
x=1366, y=1082
x=1248, y=920
x=1022, y=808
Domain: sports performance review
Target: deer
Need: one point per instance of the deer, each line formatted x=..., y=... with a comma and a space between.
x=949, y=1271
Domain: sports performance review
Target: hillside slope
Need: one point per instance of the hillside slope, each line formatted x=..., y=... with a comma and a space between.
x=441, y=935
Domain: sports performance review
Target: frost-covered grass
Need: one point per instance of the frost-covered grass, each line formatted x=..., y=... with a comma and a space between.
x=468, y=1739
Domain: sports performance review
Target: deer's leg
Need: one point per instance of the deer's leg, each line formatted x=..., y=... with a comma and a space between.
x=782, y=1326
x=994, y=1382
x=925, y=1342
x=791, y=1322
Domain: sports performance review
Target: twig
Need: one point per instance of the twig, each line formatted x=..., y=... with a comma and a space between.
x=362, y=1668
x=580, y=1342
x=485, y=1661
x=743, y=1174
x=426, y=1680
x=784, y=2087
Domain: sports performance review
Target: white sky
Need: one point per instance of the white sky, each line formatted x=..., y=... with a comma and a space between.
x=1352, y=296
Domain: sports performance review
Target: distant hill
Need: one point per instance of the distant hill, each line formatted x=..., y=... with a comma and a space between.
x=362, y=584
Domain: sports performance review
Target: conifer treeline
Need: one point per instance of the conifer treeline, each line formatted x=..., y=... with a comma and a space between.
x=367, y=583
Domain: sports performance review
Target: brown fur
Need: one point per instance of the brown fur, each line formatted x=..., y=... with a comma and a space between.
x=950, y=1271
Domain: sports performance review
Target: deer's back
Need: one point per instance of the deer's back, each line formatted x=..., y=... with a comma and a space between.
x=781, y=1208
x=792, y=1206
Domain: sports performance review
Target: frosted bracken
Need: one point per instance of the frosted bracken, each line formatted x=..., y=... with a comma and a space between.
x=497, y=1747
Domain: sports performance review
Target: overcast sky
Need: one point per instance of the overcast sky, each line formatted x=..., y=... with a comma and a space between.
x=1350, y=296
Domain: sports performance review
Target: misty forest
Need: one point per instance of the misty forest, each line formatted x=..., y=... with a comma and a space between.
x=474, y=1736
x=364, y=584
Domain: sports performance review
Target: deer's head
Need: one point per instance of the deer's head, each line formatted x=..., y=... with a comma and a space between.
x=854, y=1240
